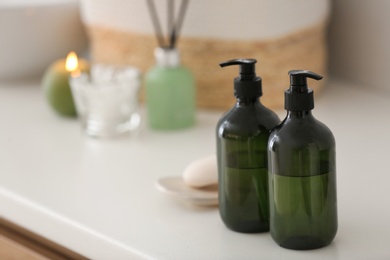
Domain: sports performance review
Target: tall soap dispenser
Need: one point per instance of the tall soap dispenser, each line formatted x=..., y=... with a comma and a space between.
x=242, y=135
x=170, y=92
x=302, y=172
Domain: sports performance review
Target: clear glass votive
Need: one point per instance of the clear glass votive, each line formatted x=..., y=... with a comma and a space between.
x=107, y=100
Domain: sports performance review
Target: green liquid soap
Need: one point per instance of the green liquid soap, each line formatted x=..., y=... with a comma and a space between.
x=304, y=214
x=245, y=193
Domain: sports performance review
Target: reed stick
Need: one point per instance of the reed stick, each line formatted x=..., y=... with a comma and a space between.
x=179, y=22
x=173, y=26
x=156, y=23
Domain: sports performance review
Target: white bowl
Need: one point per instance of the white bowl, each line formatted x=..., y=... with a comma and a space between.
x=34, y=33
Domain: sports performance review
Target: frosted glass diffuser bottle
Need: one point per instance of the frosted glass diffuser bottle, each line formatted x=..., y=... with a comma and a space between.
x=170, y=92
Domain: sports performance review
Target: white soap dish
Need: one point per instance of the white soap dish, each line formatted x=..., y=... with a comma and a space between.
x=175, y=187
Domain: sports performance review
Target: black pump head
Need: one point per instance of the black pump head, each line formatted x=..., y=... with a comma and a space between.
x=298, y=79
x=247, y=67
x=247, y=84
x=299, y=97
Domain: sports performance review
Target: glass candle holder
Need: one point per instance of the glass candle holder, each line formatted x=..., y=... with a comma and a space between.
x=107, y=100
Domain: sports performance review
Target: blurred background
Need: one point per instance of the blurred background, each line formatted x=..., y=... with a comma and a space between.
x=346, y=39
x=359, y=38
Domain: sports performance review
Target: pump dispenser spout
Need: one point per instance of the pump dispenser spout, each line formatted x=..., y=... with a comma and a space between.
x=247, y=67
x=247, y=84
x=298, y=79
x=299, y=97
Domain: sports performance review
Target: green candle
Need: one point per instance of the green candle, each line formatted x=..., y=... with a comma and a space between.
x=55, y=83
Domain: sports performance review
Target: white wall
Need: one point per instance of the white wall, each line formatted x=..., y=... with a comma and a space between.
x=359, y=41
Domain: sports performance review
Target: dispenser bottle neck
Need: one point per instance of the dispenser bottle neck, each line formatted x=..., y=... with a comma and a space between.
x=247, y=101
x=299, y=114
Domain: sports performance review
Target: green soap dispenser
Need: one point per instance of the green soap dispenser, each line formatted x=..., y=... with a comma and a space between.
x=242, y=135
x=302, y=172
x=170, y=92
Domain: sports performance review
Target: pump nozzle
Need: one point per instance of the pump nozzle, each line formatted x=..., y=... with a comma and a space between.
x=247, y=84
x=247, y=67
x=299, y=97
x=298, y=79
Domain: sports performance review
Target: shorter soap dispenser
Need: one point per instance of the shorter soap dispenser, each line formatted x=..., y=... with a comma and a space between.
x=302, y=172
x=242, y=135
x=170, y=92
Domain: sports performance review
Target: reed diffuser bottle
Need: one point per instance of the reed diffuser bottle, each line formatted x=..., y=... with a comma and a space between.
x=170, y=92
x=242, y=136
x=170, y=87
x=302, y=173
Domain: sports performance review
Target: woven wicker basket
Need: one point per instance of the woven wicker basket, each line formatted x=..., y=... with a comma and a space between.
x=299, y=49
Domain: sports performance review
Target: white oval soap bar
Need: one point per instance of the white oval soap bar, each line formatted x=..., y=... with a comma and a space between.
x=202, y=172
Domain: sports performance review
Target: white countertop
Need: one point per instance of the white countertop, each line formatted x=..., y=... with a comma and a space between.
x=97, y=197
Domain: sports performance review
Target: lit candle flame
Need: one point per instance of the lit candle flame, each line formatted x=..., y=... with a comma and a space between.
x=72, y=64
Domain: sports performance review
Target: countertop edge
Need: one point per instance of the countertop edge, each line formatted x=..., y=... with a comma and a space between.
x=75, y=236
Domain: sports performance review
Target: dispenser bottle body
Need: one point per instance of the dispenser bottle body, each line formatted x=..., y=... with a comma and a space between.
x=170, y=92
x=302, y=183
x=242, y=135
